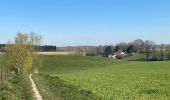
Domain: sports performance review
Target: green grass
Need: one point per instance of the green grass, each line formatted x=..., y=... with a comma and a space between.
x=128, y=81
x=135, y=57
x=53, y=88
x=15, y=87
x=142, y=57
x=69, y=64
x=108, y=79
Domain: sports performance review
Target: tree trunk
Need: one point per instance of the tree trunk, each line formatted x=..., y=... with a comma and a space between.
x=147, y=56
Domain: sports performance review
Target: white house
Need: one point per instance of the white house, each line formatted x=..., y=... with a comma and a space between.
x=117, y=55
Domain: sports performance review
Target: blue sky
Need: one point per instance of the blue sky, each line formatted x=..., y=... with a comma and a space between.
x=86, y=22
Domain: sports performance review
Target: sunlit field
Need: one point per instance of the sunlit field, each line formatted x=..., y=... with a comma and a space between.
x=103, y=78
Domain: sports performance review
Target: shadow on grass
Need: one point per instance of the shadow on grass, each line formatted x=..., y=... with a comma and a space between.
x=144, y=59
x=140, y=59
x=52, y=88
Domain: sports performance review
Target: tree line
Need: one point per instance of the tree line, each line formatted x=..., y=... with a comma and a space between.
x=152, y=50
x=44, y=48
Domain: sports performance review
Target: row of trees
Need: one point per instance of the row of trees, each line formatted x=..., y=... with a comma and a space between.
x=47, y=48
x=153, y=51
x=168, y=52
x=43, y=48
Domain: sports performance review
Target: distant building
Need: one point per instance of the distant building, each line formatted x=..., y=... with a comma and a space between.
x=117, y=55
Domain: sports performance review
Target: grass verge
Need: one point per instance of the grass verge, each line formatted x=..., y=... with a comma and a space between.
x=16, y=88
x=53, y=88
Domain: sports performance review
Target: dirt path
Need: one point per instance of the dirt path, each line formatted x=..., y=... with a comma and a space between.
x=34, y=88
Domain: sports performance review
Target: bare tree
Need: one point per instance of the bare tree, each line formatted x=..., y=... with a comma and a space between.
x=122, y=46
x=137, y=45
x=168, y=52
x=147, y=46
x=162, y=52
x=154, y=53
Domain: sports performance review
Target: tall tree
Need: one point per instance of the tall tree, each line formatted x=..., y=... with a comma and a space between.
x=162, y=52
x=117, y=48
x=168, y=52
x=154, y=53
x=137, y=45
x=130, y=48
x=123, y=46
x=108, y=50
x=147, y=46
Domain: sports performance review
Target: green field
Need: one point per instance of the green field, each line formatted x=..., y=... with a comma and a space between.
x=77, y=77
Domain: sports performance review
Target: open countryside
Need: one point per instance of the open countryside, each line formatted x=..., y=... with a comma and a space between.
x=107, y=79
x=70, y=77
x=84, y=50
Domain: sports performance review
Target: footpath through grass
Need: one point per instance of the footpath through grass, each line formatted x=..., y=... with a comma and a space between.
x=15, y=87
x=54, y=88
x=104, y=78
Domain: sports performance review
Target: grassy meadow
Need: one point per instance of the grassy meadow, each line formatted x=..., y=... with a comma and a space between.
x=98, y=78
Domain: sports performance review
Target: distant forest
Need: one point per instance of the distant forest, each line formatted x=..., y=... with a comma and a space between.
x=44, y=48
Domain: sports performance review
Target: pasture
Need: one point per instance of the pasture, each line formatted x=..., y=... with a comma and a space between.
x=79, y=77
